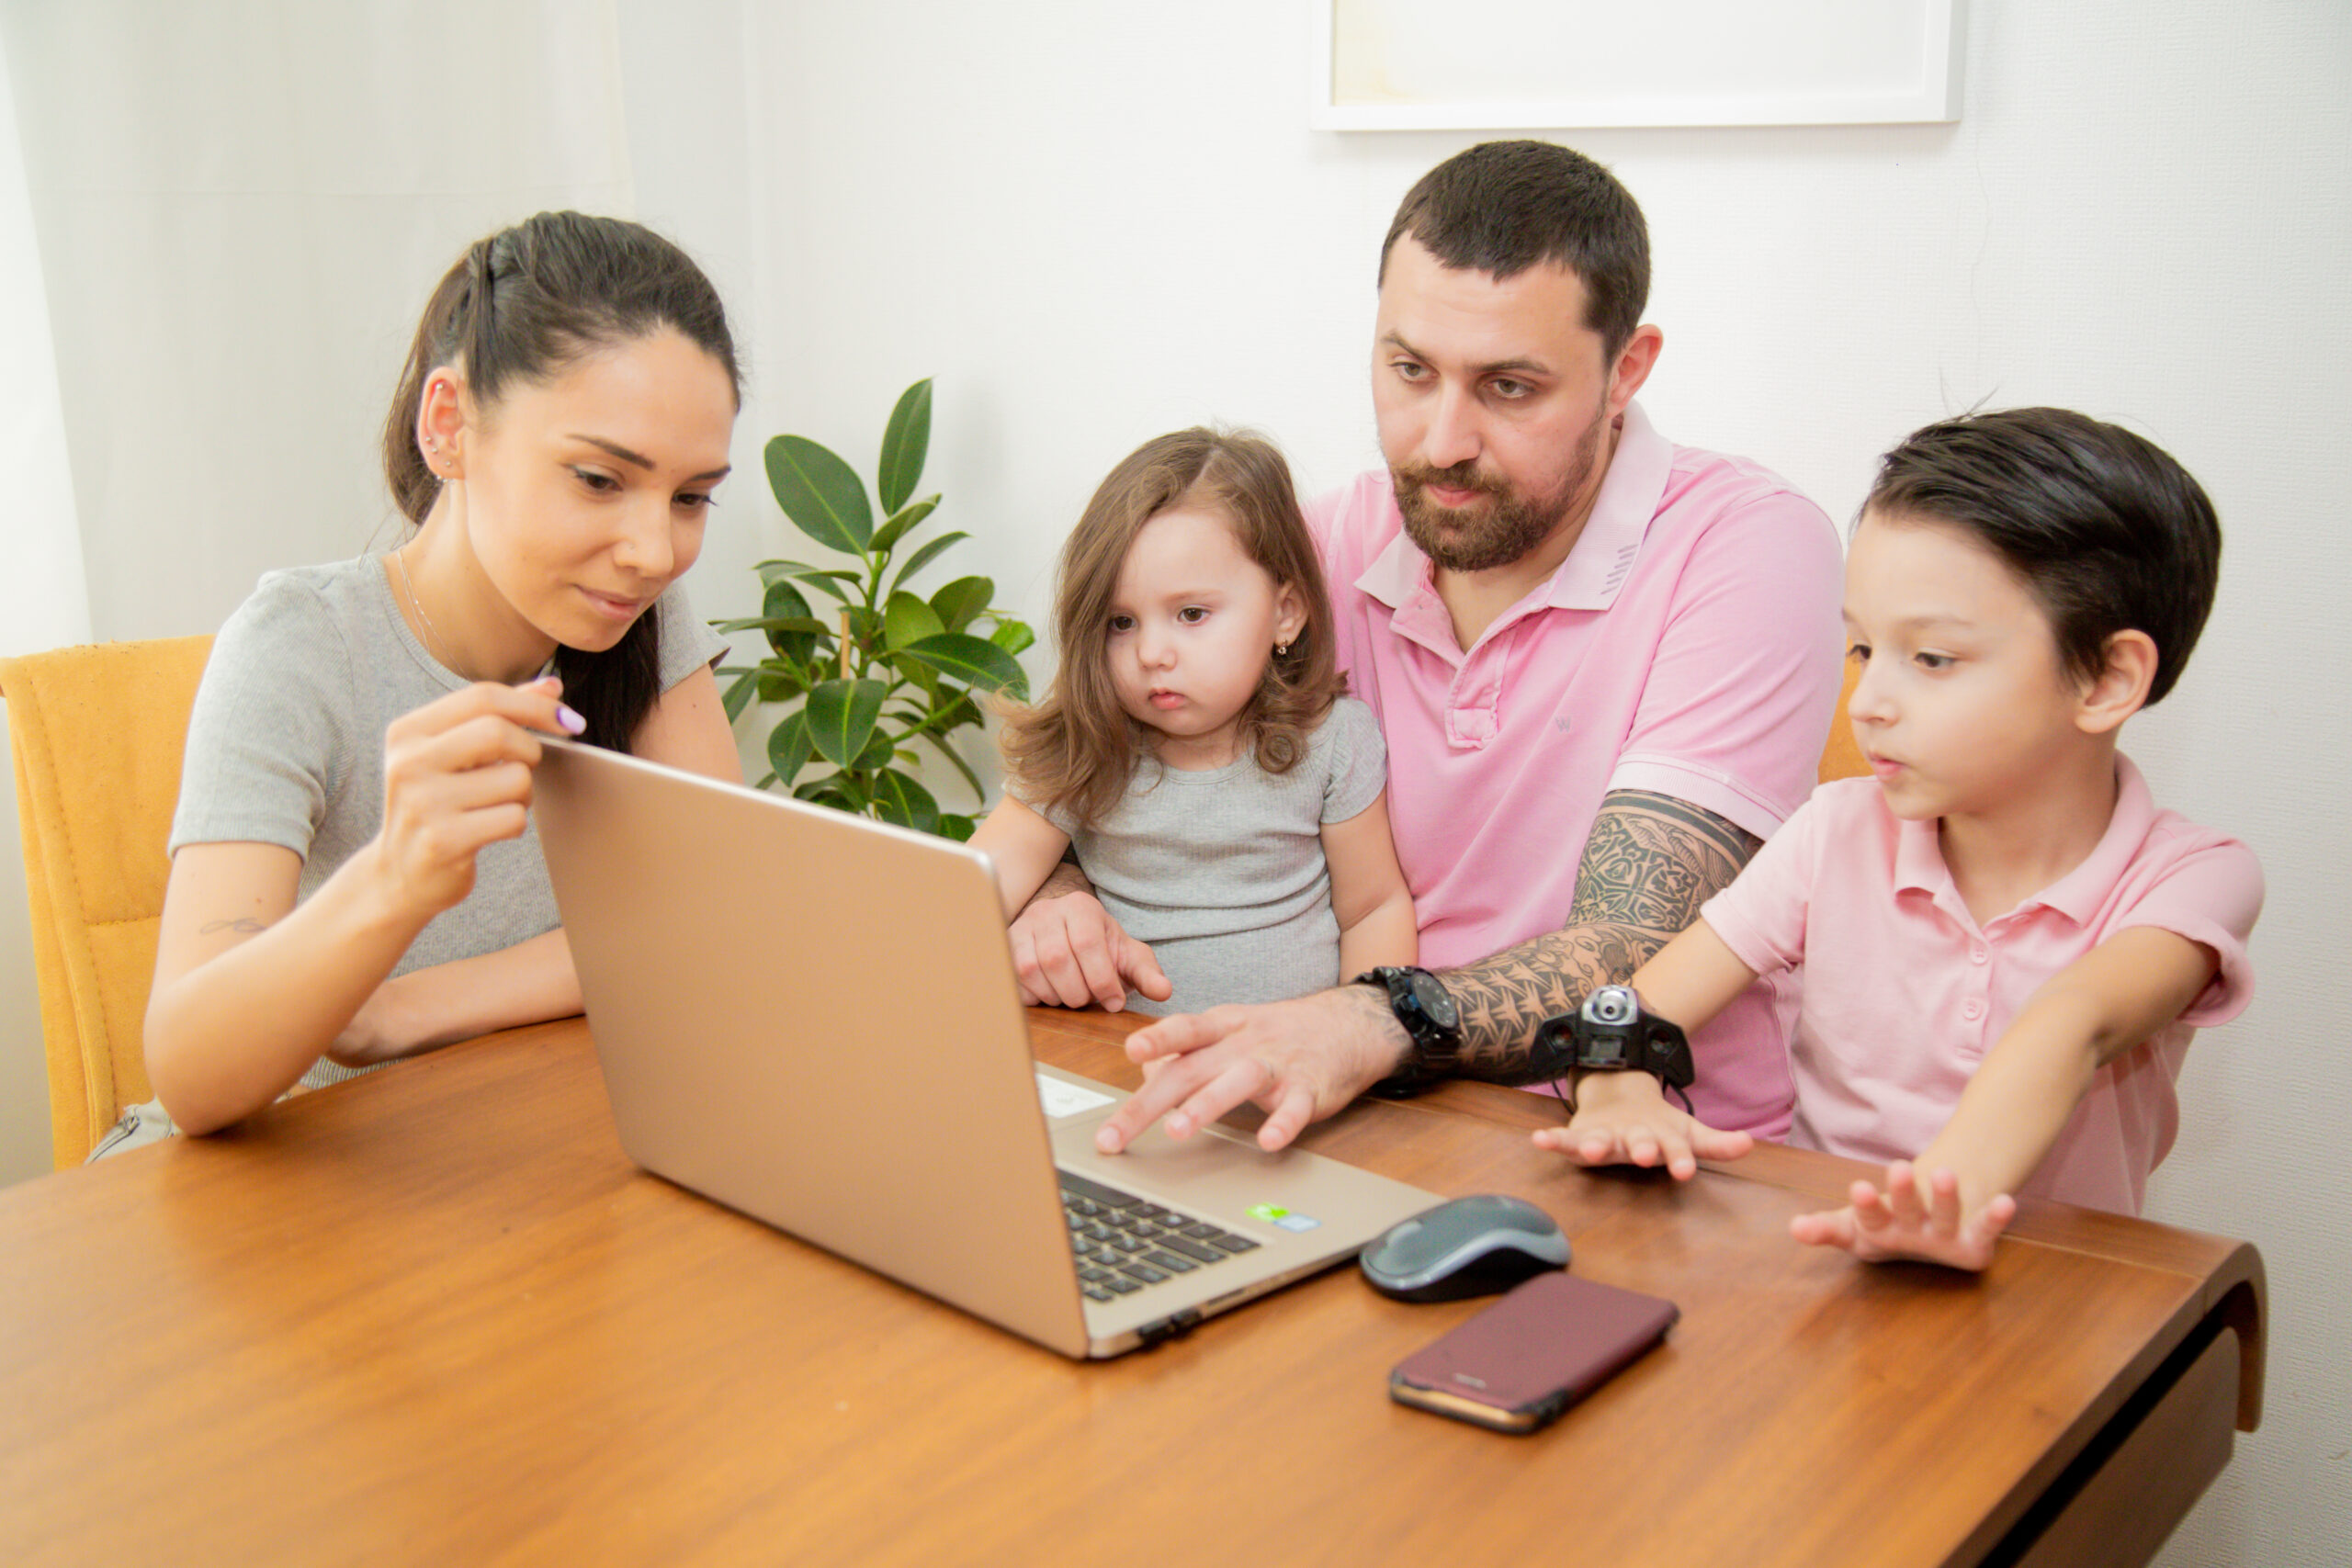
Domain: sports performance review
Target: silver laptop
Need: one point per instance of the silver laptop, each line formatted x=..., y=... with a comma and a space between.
x=812, y=1019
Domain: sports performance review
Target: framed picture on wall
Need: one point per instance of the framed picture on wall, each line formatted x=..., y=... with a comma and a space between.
x=1561, y=65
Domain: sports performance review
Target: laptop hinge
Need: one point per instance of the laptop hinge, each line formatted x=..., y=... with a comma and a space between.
x=1169, y=1327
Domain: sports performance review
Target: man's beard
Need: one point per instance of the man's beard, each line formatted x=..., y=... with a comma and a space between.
x=1513, y=524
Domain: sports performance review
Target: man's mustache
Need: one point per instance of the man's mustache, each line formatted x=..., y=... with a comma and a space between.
x=1460, y=476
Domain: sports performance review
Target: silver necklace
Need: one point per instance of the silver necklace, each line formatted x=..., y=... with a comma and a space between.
x=432, y=640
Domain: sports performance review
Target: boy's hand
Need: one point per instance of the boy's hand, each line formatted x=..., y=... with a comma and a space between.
x=1624, y=1118
x=1907, y=1222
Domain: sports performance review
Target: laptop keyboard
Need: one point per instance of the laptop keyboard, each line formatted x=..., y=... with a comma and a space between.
x=1124, y=1245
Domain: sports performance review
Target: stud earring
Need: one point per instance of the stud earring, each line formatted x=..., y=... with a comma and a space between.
x=1282, y=650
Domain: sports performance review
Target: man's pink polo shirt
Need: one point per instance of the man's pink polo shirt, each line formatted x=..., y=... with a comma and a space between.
x=1689, y=647
x=1904, y=993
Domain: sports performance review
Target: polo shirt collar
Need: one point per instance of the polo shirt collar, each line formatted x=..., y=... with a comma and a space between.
x=1605, y=553
x=1919, y=858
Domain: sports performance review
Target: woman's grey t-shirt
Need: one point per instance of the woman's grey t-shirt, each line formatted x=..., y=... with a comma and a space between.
x=1222, y=872
x=285, y=744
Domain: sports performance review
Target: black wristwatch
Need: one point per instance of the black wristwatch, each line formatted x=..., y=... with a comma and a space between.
x=1613, y=1033
x=1430, y=1022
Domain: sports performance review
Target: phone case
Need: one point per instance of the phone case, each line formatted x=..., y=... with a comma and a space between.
x=1517, y=1365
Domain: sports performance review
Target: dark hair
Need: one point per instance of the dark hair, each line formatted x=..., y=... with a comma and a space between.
x=523, y=304
x=2106, y=531
x=1077, y=749
x=1502, y=207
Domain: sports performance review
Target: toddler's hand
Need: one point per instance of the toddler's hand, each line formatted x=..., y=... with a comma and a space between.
x=1909, y=1222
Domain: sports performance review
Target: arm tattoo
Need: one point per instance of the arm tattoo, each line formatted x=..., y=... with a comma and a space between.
x=248, y=925
x=1650, y=862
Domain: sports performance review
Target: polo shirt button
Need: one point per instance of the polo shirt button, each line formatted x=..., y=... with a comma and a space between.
x=1977, y=955
x=1975, y=1008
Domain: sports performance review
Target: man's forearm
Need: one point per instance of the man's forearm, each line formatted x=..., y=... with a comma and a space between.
x=1067, y=877
x=1649, y=863
x=1502, y=1000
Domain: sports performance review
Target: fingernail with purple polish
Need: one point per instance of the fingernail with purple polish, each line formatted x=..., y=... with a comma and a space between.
x=573, y=723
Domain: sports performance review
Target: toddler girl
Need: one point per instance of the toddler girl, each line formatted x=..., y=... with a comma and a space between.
x=1225, y=797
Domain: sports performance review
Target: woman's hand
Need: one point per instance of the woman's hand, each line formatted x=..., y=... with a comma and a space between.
x=458, y=777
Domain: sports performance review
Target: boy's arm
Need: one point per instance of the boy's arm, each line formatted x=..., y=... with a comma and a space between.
x=1369, y=897
x=1623, y=1118
x=2101, y=1005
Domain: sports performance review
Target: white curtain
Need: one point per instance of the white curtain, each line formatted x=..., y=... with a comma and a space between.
x=43, y=599
x=237, y=209
x=44, y=602
x=241, y=206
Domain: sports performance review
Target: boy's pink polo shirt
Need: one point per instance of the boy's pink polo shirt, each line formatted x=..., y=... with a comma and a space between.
x=1689, y=647
x=1904, y=993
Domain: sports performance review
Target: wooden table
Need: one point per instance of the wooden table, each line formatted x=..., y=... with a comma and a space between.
x=433, y=1317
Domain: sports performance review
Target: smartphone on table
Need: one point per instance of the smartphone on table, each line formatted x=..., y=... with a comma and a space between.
x=1520, y=1363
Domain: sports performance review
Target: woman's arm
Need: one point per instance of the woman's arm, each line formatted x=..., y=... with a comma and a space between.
x=1369, y=897
x=249, y=988
x=2103, y=1004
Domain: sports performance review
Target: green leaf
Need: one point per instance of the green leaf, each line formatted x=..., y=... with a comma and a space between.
x=739, y=691
x=781, y=682
x=841, y=717
x=961, y=601
x=962, y=766
x=824, y=499
x=877, y=753
x=905, y=442
x=790, y=746
x=887, y=536
x=923, y=556
x=797, y=637
x=830, y=578
x=897, y=798
x=1014, y=637
x=865, y=633
x=907, y=619
x=836, y=791
x=958, y=828
x=974, y=661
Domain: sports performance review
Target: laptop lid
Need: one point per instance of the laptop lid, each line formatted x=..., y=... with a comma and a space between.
x=812, y=1019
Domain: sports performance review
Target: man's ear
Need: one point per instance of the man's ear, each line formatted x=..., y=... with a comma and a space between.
x=2120, y=688
x=1632, y=366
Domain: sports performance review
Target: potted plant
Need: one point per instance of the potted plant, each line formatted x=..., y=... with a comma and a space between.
x=886, y=667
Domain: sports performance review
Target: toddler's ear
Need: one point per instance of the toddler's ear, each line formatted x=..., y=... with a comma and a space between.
x=2120, y=688
x=1290, y=613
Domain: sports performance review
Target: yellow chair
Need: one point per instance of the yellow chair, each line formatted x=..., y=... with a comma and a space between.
x=1842, y=758
x=98, y=733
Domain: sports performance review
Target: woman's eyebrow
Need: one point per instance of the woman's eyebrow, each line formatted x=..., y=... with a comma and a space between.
x=626, y=455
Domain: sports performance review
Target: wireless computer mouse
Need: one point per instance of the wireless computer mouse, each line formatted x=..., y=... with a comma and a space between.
x=1470, y=1246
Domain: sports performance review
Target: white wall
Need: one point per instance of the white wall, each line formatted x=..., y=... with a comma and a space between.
x=1093, y=223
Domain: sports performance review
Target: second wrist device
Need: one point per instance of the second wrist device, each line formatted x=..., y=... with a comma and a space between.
x=1613, y=1032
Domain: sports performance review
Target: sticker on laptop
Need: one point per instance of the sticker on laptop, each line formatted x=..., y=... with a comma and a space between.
x=1276, y=1214
x=1062, y=1097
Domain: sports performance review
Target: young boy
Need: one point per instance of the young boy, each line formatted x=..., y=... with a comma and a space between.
x=2006, y=947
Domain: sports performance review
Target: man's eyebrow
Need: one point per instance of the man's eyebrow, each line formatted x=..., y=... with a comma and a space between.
x=1520, y=365
x=639, y=460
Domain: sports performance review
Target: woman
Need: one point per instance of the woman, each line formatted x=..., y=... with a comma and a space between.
x=352, y=875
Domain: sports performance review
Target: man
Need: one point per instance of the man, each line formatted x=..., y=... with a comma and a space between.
x=1604, y=666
